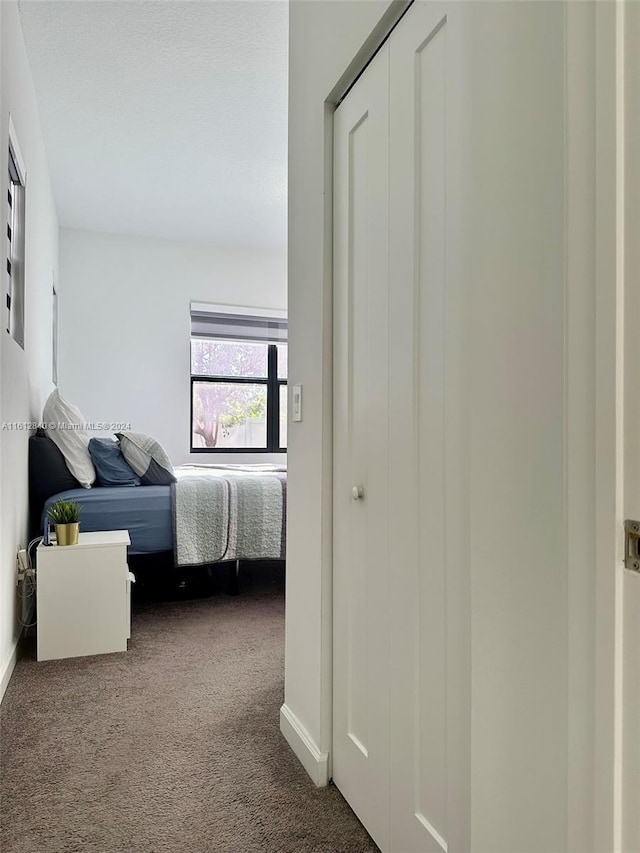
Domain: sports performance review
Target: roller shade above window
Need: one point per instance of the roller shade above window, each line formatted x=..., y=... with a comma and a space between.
x=233, y=326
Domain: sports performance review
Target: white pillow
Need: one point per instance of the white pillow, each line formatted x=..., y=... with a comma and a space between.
x=64, y=425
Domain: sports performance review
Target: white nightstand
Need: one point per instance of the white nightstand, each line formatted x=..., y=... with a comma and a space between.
x=84, y=596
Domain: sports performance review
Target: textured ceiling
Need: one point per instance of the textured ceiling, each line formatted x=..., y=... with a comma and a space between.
x=165, y=119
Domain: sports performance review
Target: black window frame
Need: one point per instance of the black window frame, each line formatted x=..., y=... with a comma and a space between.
x=273, y=385
x=16, y=250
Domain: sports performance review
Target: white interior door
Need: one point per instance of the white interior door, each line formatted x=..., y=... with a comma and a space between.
x=401, y=561
x=361, y=493
x=473, y=340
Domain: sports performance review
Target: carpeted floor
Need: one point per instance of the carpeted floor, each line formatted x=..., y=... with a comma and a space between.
x=174, y=746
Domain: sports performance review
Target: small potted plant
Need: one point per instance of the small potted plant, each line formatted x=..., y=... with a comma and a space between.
x=66, y=517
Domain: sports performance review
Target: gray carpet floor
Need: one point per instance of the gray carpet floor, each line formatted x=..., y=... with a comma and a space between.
x=173, y=746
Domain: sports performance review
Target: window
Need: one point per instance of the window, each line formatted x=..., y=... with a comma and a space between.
x=15, y=249
x=238, y=381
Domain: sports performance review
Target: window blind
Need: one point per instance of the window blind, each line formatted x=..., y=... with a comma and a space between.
x=238, y=327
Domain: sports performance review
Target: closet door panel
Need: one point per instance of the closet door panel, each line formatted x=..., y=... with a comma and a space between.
x=429, y=530
x=361, y=550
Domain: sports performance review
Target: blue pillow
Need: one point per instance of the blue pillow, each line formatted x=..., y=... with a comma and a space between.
x=112, y=469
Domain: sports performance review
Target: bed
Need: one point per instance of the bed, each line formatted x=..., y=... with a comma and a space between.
x=145, y=511
x=179, y=519
x=213, y=513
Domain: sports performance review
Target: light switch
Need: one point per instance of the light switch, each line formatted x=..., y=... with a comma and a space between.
x=297, y=402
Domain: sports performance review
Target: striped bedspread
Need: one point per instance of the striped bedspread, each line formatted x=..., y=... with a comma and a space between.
x=227, y=512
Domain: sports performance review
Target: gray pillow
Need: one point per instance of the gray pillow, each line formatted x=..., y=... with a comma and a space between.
x=147, y=458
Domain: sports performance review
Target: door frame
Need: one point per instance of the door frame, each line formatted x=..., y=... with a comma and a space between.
x=610, y=424
x=630, y=791
x=617, y=697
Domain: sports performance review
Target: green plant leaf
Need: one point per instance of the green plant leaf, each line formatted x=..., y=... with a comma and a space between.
x=64, y=512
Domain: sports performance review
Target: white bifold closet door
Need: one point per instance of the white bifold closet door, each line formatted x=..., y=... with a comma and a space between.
x=429, y=676
x=361, y=449
x=401, y=664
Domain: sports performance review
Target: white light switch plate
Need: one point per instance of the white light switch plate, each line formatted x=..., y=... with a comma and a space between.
x=297, y=402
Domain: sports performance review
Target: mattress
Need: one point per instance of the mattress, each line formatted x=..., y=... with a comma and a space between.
x=145, y=511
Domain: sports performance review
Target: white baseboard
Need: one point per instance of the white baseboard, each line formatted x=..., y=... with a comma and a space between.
x=8, y=671
x=316, y=763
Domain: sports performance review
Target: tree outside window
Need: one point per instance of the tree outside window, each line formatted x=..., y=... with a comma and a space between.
x=238, y=395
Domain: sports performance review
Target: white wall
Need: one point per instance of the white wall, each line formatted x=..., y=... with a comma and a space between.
x=124, y=325
x=323, y=39
x=26, y=374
